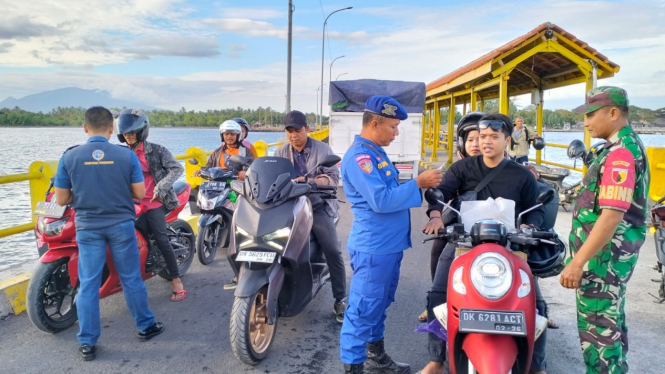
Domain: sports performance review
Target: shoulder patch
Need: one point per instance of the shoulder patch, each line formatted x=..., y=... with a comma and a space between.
x=366, y=165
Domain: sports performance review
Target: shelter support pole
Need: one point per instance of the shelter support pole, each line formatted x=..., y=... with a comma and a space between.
x=424, y=132
x=451, y=124
x=464, y=109
x=587, y=136
x=482, y=105
x=504, y=106
x=539, y=124
x=434, y=157
x=474, y=101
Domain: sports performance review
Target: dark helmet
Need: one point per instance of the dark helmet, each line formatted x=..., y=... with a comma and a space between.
x=576, y=149
x=546, y=260
x=595, y=149
x=133, y=121
x=243, y=123
x=539, y=143
x=466, y=124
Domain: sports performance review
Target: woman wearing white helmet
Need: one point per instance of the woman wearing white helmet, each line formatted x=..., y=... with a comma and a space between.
x=230, y=132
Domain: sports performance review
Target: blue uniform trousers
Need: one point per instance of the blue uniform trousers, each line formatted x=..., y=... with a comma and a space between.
x=373, y=287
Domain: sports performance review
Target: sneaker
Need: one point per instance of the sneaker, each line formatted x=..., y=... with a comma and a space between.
x=232, y=284
x=338, y=310
x=152, y=331
x=88, y=352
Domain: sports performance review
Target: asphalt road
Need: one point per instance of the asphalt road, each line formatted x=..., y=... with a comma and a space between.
x=196, y=339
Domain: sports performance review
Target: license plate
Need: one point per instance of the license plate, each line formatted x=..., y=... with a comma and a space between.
x=252, y=256
x=492, y=322
x=49, y=209
x=212, y=186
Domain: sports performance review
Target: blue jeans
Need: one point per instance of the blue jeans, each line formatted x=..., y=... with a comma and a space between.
x=121, y=239
x=373, y=287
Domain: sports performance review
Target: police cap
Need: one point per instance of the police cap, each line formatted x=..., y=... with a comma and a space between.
x=385, y=106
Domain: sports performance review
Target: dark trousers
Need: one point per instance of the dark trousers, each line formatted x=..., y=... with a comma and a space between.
x=325, y=233
x=437, y=249
x=156, y=220
x=439, y=295
x=520, y=159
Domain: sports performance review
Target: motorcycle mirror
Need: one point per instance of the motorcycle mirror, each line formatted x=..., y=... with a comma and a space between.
x=329, y=161
x=193, y=161
x=433, y=195
x=238, y=160
x=238, y=186
x=545, y=197
x=576, y=149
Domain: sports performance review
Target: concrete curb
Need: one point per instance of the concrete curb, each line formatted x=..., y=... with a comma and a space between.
x=13, y=294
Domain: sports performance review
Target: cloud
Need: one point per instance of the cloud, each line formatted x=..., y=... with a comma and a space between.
x=253, y=13
x=182, y=46
x=22, y=28
x=247, y=26
x=4, y=47
x=237, y=47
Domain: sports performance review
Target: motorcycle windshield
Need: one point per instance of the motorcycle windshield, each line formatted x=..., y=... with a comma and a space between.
x=217, y=174
x=269, y=178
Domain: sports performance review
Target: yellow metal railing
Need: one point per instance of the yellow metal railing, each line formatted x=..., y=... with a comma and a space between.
x=40, y=173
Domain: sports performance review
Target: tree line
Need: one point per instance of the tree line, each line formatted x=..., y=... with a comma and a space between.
x=264, y=117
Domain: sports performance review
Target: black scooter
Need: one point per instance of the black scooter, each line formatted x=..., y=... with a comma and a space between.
x=280, y=268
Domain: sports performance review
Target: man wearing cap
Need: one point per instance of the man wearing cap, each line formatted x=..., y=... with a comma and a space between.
x=305, y=153
x=608, y=230
x=381, y=231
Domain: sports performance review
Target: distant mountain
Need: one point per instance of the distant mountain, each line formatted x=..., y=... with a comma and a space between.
x=68, y=97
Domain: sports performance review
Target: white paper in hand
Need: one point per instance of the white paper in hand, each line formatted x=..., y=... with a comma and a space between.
x=500, y=209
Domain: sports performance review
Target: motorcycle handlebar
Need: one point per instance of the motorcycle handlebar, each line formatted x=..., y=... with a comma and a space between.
x=543, y=235
x=326, y=188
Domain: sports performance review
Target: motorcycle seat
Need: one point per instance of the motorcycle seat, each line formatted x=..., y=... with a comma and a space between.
x=179, y=187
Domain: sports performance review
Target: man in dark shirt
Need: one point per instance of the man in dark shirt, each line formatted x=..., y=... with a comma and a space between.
x=100, y=179
x=514, y=182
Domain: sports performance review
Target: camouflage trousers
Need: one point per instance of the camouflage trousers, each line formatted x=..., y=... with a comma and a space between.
x=601, y=324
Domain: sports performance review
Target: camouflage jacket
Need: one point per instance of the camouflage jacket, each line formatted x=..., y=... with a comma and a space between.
x=166, y=170
x=618, y=178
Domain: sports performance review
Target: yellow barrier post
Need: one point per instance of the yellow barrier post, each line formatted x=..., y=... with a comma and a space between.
x=261, y=148
x=434, y=157
x=38, y=187
x=200, y=155
x=656, y=157
x=451, y=127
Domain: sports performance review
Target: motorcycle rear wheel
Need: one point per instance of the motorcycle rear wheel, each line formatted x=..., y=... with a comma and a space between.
x=184, y=261
x=49, y=291
x=251, y=336
x=207, y=244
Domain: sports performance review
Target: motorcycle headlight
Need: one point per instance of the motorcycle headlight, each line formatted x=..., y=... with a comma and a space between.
x=209, y=204
x=525, y=286
x=458, y=284
x=491, y=275
x=278, y=238
x=51, y=228
x=243, y=237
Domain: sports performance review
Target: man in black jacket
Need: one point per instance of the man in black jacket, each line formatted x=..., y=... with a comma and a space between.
x=514, y=182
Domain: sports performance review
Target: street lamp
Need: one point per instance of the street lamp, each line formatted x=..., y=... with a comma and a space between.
x=323, y=50
x=331, y=65
x=340, y=75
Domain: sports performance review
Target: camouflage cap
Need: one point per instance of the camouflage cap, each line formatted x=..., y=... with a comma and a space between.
x=603, y=96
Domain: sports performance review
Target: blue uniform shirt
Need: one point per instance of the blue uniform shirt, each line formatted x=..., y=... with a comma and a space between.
x=100, y=175
x=380, y=204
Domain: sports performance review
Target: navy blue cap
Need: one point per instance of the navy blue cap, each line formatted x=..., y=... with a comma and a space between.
x=386, y=106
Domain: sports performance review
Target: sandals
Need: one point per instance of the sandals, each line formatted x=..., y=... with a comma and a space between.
x=551, y=324
x=179, y=295
x=423, y=317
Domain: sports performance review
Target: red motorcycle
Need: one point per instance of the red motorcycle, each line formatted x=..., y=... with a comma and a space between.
x=490, y=316
x=658, y=228
x=51, y=298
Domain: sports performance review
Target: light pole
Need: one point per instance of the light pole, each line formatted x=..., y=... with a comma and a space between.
x=340, y=75
x=288, y=59
x=317, y=102
x=323, y=50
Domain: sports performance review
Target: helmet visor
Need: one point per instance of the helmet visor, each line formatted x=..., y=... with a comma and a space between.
x=129, y=123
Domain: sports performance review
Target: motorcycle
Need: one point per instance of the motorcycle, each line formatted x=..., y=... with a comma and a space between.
x=51, y=297
x=280, y=267
x=658, y=228
x=490, y=315
x=216, y=202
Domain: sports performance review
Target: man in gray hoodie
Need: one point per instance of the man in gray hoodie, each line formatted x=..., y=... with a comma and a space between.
x=305, y=153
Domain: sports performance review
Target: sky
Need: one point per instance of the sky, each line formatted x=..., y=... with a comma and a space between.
x=202, y=54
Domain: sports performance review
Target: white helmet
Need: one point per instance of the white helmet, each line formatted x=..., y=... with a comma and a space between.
x=230, y=126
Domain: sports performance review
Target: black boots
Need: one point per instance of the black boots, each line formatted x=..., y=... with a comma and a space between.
x=378, y=361
x=353, y=369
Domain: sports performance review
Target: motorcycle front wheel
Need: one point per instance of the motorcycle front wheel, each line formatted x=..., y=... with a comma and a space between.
x=185, y=237
x=251, y=335
x=51, y=298
x=207, y=242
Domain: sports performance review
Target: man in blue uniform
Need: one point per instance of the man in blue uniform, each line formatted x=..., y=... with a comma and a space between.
x=381, y=230
x=100, y=179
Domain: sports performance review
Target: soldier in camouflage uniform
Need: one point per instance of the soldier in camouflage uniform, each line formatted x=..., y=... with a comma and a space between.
x=608, y=230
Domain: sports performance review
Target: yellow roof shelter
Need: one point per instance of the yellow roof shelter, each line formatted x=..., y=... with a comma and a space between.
x=546, y=57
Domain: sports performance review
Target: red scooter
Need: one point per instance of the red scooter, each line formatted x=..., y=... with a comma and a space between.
x=490, y=316
x=51, y=298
